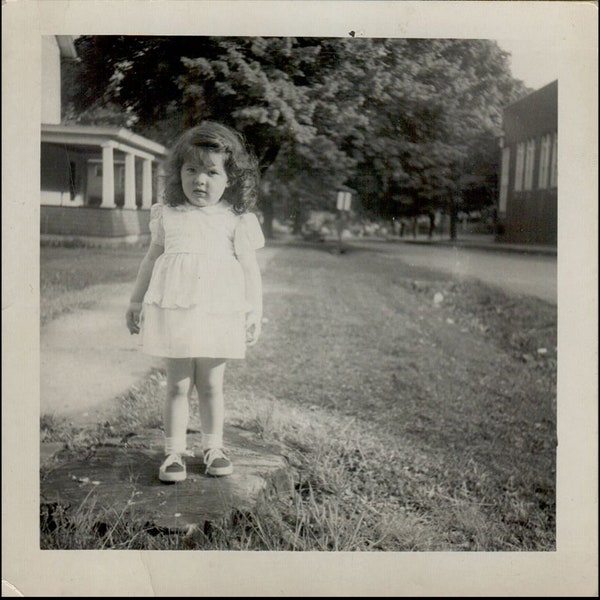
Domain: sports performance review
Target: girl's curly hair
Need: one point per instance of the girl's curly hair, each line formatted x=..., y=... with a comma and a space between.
x=240, y=164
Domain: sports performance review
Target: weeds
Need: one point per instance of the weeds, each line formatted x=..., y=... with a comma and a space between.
x=87, y=527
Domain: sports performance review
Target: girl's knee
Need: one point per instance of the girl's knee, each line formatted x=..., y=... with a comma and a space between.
x=208, y=388
x=178, y=390
x=209, y=376
x=179, y=377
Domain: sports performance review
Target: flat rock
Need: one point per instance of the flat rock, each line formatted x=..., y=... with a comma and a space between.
x=123, y=476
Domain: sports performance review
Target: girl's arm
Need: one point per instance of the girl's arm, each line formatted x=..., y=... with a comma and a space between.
x=254, y=296
x=141, y=285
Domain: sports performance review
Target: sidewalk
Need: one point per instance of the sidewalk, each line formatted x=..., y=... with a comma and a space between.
x=478, y=242
x=88, y=358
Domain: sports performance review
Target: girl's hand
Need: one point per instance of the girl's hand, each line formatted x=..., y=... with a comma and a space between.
x=253, y=327
x=132, y=317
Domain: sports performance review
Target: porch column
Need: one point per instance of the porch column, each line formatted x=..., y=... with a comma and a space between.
x=160, y=183
x=108, y=177
x=130, y=181
x=147, y=183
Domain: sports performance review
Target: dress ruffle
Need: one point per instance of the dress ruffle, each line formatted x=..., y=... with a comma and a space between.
x=185, y=280
x=187, y=332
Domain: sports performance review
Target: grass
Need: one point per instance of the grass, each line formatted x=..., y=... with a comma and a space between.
x=69, y=276
x=410, y=426
x=86, y=527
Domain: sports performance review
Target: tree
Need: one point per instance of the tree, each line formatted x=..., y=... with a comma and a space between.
x=260, y=86
x=400, y=120
x=434, y=105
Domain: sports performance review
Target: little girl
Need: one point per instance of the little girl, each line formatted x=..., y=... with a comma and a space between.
x=197, y=299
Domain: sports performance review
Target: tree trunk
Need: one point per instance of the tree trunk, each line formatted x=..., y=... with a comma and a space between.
x=298, y=216
x=453, y=217
x=267, y=209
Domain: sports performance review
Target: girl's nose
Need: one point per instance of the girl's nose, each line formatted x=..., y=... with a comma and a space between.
x=201, y=177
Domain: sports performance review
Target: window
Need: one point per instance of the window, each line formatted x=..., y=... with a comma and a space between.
x=529, y=163
x=554, y=162
x=545, y=152
x=98, y=170
x=504, y=179
x=519, y=167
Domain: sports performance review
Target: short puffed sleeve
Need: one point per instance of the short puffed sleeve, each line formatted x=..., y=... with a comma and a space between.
x=248, y=235
x=157, y=231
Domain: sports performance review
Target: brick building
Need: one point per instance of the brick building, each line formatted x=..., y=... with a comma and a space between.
x=527, y=203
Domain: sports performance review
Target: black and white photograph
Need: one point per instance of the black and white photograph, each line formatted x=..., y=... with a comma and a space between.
x=301, y=297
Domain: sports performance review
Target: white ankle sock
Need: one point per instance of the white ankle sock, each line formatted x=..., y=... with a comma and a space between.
x=212, y=440
x=174, y=445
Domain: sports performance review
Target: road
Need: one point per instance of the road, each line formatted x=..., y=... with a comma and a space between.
x=514, y=272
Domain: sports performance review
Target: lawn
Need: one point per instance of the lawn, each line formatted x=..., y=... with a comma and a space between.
x=411, y=424
x=67, y=275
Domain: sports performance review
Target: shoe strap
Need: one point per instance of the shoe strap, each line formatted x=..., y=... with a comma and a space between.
x=212, y=454
x=175, y=457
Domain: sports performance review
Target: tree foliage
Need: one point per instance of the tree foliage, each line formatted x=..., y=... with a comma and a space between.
x=399, y=120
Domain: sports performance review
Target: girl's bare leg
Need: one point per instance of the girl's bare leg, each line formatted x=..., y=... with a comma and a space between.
x=176, y=409
x=209, y=374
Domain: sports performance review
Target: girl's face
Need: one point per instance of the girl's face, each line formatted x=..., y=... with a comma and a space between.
x=204, y=178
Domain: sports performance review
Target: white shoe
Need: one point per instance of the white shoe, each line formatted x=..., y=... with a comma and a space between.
x=172, y=469
x=217, y=462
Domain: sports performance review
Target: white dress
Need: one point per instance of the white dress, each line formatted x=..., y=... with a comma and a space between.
x=195, y=304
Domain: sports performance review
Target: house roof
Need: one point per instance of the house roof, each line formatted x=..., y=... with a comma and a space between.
x=92, y=135
x=534, y=115
x=551, y=87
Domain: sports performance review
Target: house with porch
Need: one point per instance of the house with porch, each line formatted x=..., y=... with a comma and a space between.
x=527, y=203
x=97, y=182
